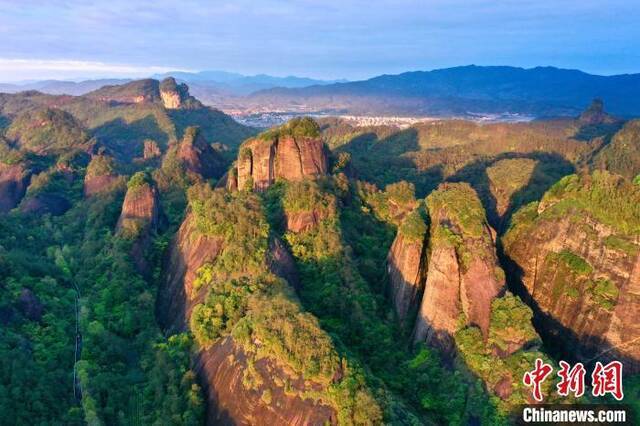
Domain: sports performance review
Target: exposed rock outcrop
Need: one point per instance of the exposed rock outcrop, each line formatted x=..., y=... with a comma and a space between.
x=198, y=157
x=101, y=176
x=139, y=218
x=176, y=96
x=595, y=114
x=225, y=368
x=167, y=92
x=189, y=250
x=577, y=257
x=291, y=152
x=150, y=150
x=463, y=277
x=303, y=220
x=406, y=266
x=14, y=180
x=450, y=270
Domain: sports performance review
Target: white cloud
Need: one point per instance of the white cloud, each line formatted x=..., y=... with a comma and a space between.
x=28, y=69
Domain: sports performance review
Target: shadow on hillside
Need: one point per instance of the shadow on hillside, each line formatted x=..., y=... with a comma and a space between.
x=588, y=132
x=125, y=140
x=216, y=126
x=386, y=160
x=548, y=170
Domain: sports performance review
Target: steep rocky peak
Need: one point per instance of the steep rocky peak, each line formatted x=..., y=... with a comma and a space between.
x=175, y=96
x=101, y=175
x=140, y=218
x=140, y=210
x=406, y=265
x=14, y=180
x=291, y=152
x=197, y=155
x=167, y=92
x=463, y=276
x=595, y=114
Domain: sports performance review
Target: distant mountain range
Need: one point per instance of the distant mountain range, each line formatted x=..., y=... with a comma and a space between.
x=60, y=87
x=205, y=83
x=468, y=90
x=465, y=91
x=238, y=84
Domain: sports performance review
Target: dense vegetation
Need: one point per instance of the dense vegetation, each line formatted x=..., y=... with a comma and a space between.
x=298, y=128
x=47, y=130
x=245, y=300
x=126, y=371
x=341, y=263
x=78, y=329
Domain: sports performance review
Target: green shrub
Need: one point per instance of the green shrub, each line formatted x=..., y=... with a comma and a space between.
x=307, y=195
x=414, y=227
x=300, y=127
x=510, y=322
x=576, y=263
x=604, y=293
x=138, y=181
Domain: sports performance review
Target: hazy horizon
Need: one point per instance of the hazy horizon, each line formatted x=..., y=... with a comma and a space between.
x=71, y=40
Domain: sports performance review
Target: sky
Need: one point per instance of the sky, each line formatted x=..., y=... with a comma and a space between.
x=328, y=39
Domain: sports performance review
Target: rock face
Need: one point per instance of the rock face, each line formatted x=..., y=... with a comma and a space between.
x=176, y=96
x=198, y=157
x=462, y=277
x=151, y=150
x=101, y=176
x=139, y=218
x=304, y=220
x=167, y=92
x=188, y=252
x=576, y=255
x=14, y=179
x=281, y=154
x=407, y=273
x=222, y=367
x=595, y=114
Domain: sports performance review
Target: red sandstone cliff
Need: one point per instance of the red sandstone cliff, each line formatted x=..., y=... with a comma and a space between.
x=14, y=179
x=580, y=274
x=139, y=218
x=198, y=157
x=407, y=272
x=280, y=156
x=462, y=277
x=223, y=366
